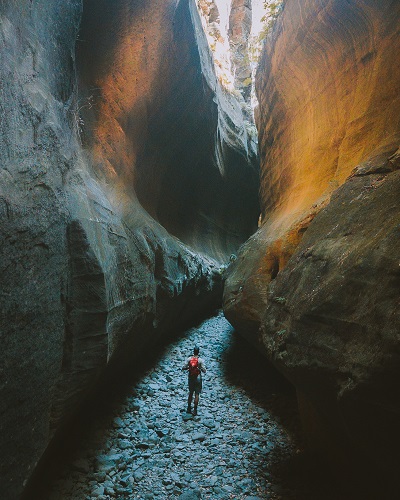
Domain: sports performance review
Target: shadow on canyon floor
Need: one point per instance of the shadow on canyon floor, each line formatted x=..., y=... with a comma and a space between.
x=308, y=475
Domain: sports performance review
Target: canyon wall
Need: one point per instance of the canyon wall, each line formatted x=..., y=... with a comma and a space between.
x=240, y=21
x=317, y=287
x=124, y=174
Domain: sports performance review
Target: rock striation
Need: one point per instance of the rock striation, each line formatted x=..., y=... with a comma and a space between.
x=317, y=287
x=121, y=192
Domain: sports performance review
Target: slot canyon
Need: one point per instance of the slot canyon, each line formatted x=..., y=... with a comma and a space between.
x=171, y=178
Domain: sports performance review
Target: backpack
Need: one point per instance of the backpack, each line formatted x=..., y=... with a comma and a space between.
x=194, y=369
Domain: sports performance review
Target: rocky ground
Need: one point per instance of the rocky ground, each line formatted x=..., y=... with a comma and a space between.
x=242, y=444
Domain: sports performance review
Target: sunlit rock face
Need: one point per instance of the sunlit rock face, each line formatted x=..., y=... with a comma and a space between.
x=115, y=141
x=317, y=287
x=239, y=33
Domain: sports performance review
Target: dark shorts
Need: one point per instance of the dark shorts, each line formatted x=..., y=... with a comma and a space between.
x=195, y=384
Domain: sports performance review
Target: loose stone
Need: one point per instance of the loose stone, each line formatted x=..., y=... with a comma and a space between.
x=152, y=448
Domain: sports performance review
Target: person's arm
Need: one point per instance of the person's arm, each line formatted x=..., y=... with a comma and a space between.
x=201, y=366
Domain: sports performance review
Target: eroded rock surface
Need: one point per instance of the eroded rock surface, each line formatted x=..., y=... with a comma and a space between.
x=115, y=141
x=317, y=287
x=184, y=150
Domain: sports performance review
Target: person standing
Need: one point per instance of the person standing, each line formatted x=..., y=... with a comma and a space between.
x=195, y=367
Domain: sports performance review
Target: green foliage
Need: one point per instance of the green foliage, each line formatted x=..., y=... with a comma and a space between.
x=272, y=11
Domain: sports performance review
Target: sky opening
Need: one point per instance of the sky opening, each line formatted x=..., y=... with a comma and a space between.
x=219, y=43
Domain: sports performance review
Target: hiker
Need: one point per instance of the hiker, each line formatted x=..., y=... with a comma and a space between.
x=195, y=367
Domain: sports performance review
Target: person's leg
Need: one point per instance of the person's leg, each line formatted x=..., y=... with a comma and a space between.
x=196, y=402
x=197, y=390
x=189, y=408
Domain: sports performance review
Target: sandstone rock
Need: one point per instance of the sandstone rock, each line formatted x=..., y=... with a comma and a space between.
x=240, y=22
x=335, y=336
x=178, y=164
x=316, y=288
x=115, y=141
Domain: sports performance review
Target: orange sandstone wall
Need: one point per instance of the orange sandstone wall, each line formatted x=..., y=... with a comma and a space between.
x=317, y=287
x=328, y=87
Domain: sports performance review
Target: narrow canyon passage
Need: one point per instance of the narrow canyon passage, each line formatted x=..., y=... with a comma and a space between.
x=244, y=443
x=161, y=159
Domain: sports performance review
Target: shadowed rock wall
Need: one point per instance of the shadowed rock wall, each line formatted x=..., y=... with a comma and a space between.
x=240, y=21
x=112, y=146
x=184, y=148
x=317, y=287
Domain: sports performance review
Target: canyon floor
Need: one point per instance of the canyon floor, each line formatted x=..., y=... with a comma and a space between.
x=245, y=442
